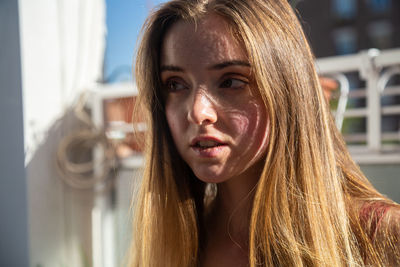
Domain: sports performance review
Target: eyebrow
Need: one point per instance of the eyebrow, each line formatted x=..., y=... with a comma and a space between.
x=171, y=68
x=217, y=66
x=226, y=64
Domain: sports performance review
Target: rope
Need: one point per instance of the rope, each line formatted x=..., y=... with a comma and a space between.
x=86, y=157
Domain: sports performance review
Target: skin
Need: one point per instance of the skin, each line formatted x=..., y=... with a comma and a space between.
x=210, y=96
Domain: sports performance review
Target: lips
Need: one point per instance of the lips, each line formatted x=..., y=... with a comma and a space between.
x=207, y=146
x=206, y=142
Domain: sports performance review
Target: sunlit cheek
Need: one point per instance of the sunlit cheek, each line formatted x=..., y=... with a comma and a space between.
x=241, y=124
x=246, y=120
x=251, y=127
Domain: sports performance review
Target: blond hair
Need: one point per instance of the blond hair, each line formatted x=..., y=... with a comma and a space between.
x=302, y=212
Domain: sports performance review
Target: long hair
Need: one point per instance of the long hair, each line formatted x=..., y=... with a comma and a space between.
x=303, y=211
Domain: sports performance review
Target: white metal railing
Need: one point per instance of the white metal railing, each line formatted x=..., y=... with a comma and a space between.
x=104, y=228
x=103, y=92
x=376, y=68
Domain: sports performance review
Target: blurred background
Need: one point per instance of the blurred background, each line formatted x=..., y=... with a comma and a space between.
x=68, y=143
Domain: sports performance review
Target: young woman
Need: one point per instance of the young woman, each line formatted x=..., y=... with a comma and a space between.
x=244, y=165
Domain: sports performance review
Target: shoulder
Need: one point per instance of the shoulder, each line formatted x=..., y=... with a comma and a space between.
x=375, y=213
x=381, y=221
x=389, y=225
x=379, y=216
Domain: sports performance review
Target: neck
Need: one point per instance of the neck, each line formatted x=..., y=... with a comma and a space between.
x=233, y=204
x=233, y=209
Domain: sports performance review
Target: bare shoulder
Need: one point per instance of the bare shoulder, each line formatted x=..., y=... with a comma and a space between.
x=387, y=236
x=390, y=221
x=380, y=218
x=393, y=216
x=389, y=225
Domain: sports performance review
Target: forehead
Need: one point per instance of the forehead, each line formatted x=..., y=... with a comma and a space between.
x=207, y=42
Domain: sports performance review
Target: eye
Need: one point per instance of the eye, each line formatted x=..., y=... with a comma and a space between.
x=233, y=83
x=173, y=85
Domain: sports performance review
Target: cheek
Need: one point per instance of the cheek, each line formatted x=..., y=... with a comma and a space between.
x=241, y=123
x=249, y=121
x=174, y=120
x=171, y=117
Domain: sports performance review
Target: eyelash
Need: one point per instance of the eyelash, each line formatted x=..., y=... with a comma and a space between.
x=172, y=82
x=242, y=83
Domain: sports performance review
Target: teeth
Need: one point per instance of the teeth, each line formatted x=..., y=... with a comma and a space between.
x=207, y=143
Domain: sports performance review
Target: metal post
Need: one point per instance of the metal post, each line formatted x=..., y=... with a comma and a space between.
x=370, y=73
x=103, y=219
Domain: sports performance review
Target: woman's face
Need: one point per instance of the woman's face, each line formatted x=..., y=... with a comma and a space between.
x=217, y=118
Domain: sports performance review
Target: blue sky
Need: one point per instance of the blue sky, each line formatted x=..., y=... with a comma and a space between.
x=124, y=21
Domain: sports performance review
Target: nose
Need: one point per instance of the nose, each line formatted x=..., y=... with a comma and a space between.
x=202, y=110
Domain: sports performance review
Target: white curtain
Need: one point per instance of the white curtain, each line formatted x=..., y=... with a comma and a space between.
x=62, y=51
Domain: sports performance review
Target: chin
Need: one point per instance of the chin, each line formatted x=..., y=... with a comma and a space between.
x=210, y=176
